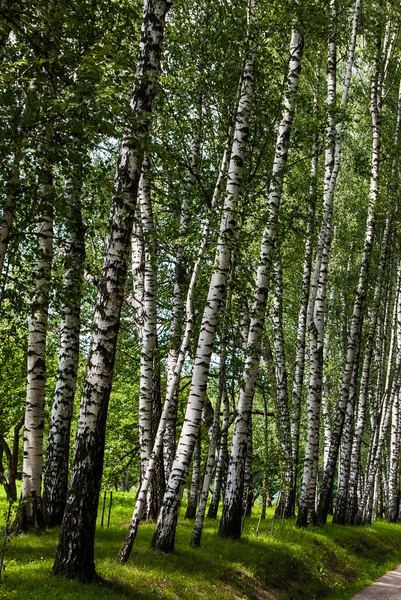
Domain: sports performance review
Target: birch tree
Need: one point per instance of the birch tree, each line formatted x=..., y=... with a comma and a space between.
x=57, y=457
x=30, y=514
x=164, y=535
x=75, y=552
x=316, y=306
x=230, y=524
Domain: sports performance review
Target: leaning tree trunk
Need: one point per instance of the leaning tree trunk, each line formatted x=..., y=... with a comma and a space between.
x=75, y=552
x=173, y=381
x=58, y=445
x=230, y=524
x=214, y=440
x=164, y=535
x=177, y=324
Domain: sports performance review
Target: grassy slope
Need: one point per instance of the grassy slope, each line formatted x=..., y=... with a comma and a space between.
x=331, y=562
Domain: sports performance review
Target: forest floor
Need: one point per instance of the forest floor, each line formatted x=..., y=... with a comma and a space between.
x=281, y=563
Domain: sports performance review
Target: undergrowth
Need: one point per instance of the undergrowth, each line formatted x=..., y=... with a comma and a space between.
x=286, y=563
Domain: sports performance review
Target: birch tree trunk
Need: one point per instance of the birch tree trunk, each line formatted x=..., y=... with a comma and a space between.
x=164, y=535
x=317, y=299
x=195, y=481
x=298, y=377
x=286, y=504
x=393, y=503
x=214, y=439
x=222, y=459
x=173, y=381
x=352, y=500
x=230, y=524
x=149, y=321
x=75, y=552
x=354, y=339
x=30, y=515
x=177, y=325
x=58, y=445
x=392, y=390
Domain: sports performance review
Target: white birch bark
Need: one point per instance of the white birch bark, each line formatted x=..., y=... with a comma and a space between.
x=286, y=505
x=36, y=367
x=230, y=524
x=149, y=328
x=75, y=552
x=165, y=530
x=316, y=307
x=393, y=501
x=298, y=377
x=352, y=502
x=392, y=390
x=58, y=445
x=178, y=311
x=172, y=387
x=222, y=459
x=354, y=339
x=138, y=272
x=195, y=481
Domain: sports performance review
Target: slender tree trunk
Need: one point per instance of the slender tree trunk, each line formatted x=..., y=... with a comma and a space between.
x=149, y=321
x=354, y=478
x=214, y=438
x=317, y=299
x=75, y=552
x=286, y=505
x=298, y=378
x=165, y=530
x=391, y=392
x=58, y=445
x=222, y=459
x=180, y=291
x=230, y=524
x=30, y=513
x=195, y=481
x=393, y=503
x=10, y=482
x=173, y=381
x=354, y=339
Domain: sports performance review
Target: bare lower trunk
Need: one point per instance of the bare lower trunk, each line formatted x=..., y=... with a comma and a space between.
x=30, y=514
x=58, y=445
x=195, y=481
x=286, y=505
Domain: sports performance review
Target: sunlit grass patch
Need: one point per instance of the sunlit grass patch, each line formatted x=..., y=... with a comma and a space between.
x=281, y=562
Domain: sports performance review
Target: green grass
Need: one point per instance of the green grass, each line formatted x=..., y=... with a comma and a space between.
x=329, y=562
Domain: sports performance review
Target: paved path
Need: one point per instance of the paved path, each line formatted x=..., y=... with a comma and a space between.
x=387, y=587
